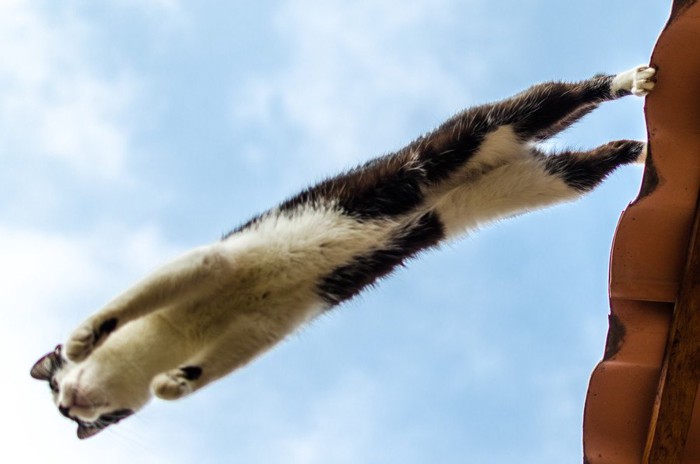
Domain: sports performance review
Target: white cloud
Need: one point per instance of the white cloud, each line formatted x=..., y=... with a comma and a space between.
x=341, y=428
x=61, y=114
x=57, y=110
x=356, y=77
x=40, y=271
x=47, y=280
x=155, y=6
x=56, y=105
x=162, y=15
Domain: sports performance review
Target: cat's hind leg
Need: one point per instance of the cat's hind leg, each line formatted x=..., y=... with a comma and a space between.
x=583, y=171
x=184, y=279
x=531, y=183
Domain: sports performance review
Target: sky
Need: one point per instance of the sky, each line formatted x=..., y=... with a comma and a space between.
x=131, y=131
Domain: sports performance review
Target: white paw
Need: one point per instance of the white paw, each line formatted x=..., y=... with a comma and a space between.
x=80, y=343
x=86, y=337
x=639, y=81
x=171, y=385
x=643, y=80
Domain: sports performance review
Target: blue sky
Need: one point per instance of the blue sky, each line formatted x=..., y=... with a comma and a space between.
x=131, y=131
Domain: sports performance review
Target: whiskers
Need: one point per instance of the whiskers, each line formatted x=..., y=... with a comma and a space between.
x=88, y=429
x=135, y=433
x=132, y=435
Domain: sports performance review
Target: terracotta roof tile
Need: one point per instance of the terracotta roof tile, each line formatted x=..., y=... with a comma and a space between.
x=649, y=256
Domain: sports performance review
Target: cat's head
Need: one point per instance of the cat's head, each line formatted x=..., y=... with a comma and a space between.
x=92, y=393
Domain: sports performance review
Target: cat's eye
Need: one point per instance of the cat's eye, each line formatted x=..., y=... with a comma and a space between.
x=53, y=385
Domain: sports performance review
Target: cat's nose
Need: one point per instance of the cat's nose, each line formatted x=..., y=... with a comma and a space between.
x=64, y=410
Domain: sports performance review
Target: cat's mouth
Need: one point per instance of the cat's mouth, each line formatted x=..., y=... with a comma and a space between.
x=80, y=409
x=89, y=429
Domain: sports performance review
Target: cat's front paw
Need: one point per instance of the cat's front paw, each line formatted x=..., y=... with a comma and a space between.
x=86, y=337
x=175, y=383
x=80, y=344
x=643, y=80
x=638, y=81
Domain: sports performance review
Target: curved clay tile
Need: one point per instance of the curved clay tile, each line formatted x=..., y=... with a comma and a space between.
x=648, y=264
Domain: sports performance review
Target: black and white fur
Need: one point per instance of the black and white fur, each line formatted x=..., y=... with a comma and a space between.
x=219, y=306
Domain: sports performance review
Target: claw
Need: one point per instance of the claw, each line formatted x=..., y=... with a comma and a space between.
x=638, y=81
x=643, y=81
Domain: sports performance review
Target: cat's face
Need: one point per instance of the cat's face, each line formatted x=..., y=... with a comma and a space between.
x=92, y=393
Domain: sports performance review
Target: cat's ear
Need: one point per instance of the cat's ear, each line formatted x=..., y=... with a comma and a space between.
x=45, y=367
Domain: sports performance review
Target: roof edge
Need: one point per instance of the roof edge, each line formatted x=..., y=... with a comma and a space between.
x=679, y=6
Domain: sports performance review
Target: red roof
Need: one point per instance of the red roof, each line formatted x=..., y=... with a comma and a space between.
x=647, y=269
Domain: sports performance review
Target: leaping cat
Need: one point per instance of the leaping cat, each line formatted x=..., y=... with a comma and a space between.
x=219, y=306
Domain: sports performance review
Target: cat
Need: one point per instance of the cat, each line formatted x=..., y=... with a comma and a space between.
x=219, y=306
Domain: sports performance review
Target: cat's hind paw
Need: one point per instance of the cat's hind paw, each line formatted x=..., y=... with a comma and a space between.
x=175, y=383
x=644, y=80
x=86, y=338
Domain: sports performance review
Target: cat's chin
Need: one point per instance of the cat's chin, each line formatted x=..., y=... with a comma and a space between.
x=87, y=409
x=88, y=392
x=77, y=402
